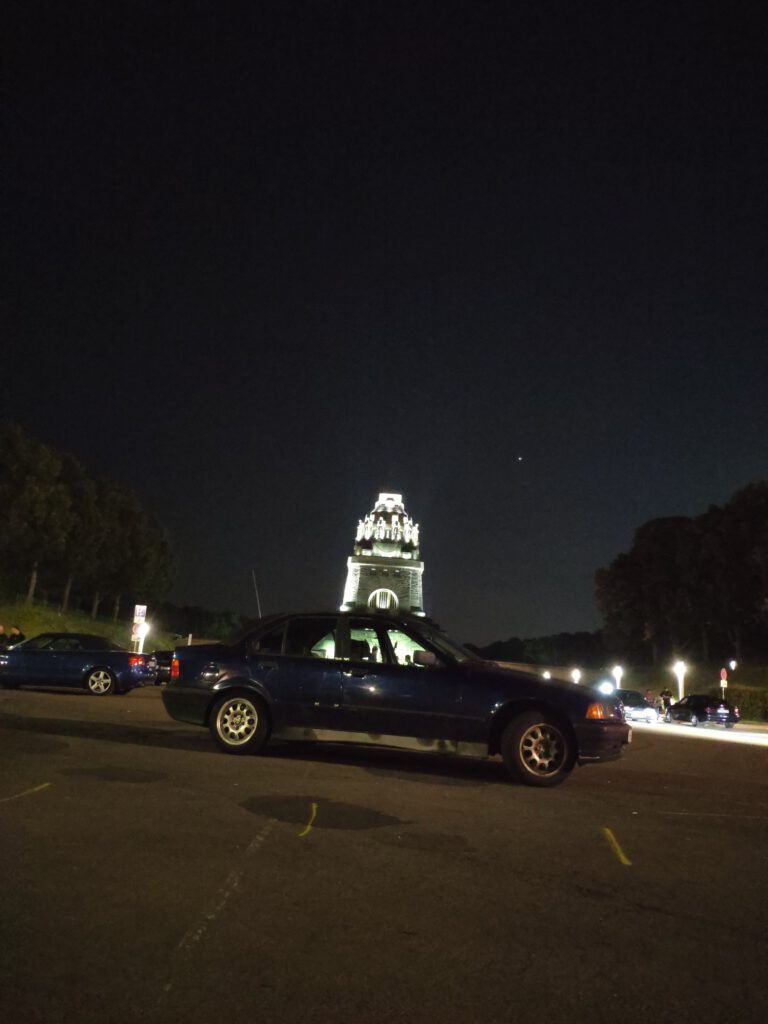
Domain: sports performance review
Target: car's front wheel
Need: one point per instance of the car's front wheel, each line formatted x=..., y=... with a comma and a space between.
x=101, y=682
x=694, y=721
x=668, y=718
x=238, y=724
x=537, y=750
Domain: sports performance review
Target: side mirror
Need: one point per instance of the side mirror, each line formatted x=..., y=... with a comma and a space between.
x=426, y=658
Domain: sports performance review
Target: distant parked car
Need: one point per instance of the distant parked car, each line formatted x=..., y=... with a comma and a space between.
x=163, y=661
x=637, y=708
x=99, y=665
x=699, y=709
x=375, y=678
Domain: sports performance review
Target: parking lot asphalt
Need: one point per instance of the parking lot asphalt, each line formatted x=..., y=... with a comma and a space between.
x=148, y=877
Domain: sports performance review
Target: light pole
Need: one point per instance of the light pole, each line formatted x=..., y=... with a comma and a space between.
x=680, y=668
x=617, y=672
x=143, y=630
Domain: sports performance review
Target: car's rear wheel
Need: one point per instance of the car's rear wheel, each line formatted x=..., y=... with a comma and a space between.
x=537, y=750
x=238, y=724
x=729, y=725
x=694, y=721
x=101, y=682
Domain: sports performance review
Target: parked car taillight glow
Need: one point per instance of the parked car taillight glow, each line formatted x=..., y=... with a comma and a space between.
x=136, y=659
x=175, y=669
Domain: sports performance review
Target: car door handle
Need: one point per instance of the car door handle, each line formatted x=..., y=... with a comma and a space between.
x=358, y=673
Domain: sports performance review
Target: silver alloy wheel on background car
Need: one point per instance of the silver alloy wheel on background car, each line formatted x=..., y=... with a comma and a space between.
x=694, y=721
x=237, y=721
x=101, y=682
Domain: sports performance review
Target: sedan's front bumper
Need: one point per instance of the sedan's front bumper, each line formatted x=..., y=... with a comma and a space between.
x=601, y=741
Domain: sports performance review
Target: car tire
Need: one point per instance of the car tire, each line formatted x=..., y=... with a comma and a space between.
x=694, y=721
x=667, y=718
x=238, y=723
x=729, y=725
x=538, y=750
x=101, y=682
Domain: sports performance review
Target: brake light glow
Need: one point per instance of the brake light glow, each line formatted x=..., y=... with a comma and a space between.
x=175, y=668
x=135, y=660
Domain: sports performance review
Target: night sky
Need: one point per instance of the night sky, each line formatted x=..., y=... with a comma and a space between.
x=265, y=260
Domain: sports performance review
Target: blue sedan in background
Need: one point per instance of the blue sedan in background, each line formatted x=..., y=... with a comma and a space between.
x=74, y=659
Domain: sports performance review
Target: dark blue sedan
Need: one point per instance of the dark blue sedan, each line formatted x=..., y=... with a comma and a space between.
x=399, y=682
x=74, y=659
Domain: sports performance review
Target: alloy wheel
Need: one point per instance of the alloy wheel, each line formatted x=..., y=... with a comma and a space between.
x=237, y=721
x=543, y=749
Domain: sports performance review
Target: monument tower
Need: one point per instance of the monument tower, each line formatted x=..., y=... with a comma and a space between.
x=384, y=571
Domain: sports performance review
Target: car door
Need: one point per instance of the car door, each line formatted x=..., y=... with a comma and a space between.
x=681, y=711
x=68, y=659
x=301, y=672
x=33, y=662
x=394, y=696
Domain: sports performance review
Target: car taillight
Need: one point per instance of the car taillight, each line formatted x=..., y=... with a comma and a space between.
x=136, y=659
x=596, y=711
x=175, y=669
x=709, y=710
x=736, y=711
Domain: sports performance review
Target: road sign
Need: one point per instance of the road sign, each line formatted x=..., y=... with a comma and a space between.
x=723, y=673
x=139, y=618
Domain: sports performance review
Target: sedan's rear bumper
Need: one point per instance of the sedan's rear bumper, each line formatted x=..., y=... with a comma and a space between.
x=187, y=703
x=601, y=741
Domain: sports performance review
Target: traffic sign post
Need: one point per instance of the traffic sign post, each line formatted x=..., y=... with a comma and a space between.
x=139, y=620
x=723, y=681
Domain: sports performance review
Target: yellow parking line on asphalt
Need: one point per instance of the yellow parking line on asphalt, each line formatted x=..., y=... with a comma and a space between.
x=308, y=827
x=613, y=843
x=26, y=792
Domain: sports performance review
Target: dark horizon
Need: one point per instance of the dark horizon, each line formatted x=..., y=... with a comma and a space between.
x=267, y=262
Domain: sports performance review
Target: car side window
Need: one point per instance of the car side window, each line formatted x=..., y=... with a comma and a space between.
x=269, y=643
x=365, y=642
x=311, y=637
x=66, y=643
x=403, y=646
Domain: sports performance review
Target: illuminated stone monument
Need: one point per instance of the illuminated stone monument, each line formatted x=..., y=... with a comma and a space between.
x=385, y=571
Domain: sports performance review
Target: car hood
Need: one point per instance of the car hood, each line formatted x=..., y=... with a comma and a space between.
x=516, y=681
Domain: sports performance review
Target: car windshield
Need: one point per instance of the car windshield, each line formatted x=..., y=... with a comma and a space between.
x=445, y=645
x=38, y=643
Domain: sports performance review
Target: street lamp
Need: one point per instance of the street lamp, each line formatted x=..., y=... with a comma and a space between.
x=576, y=675
x=680, y=668
x=547, y=675
x=142, y=631
x=617, y=672
x=732, y=665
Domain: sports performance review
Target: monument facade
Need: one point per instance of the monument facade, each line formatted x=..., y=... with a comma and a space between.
x=385, y=571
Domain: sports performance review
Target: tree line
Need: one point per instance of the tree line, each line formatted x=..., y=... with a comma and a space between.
x=692, y=585
x=74, y=533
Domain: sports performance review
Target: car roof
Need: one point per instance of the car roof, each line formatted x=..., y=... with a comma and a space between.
x=384, y=615
x=74, y=636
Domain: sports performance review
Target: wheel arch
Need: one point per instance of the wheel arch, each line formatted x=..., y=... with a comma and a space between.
x=100, y=667
x=244, y=688
x=504, y=715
